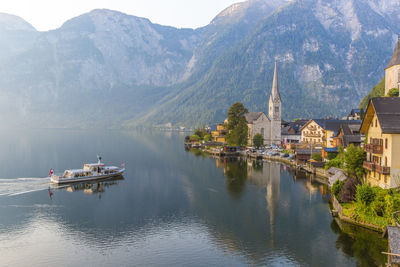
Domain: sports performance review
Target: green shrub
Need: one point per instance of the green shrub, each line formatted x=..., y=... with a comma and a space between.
x=379, y=205
x=207, y=137
x=393, y=92
x=365, y=194
x=194, y=137
x=332, y=155
x=316, y=156
x=336, y=188
x=337, y=162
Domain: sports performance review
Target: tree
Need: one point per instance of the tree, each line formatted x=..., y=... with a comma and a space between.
x=201, y=132
x=237, y=125
x=239, y=135
x=348, y=192
x=354, y=159
x=236, y=115
x=393, y=92
x=258, y=140
x=194, y=137
x=316, y=156
x=207, y=137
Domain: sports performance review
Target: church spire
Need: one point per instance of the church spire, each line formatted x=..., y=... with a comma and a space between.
x=275, y=88
x=395, y=59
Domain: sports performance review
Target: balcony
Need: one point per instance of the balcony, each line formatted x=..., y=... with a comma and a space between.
x=312, y=135
x=370, y=166
x=382, y=169
x=376, y=149
x=369, y=148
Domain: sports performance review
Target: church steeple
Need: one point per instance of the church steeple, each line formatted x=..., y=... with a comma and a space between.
x=275, y=109
x=275, y=87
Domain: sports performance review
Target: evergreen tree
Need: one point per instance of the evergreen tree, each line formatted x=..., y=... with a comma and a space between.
x=236, y=114
x=237, y=125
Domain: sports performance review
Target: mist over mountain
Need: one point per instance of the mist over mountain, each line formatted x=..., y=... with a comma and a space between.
x=106, y=68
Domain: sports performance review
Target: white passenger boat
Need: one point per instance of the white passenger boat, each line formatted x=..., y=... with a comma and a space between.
x=90, y=171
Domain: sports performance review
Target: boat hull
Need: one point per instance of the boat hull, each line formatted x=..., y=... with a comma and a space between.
x=62, y=180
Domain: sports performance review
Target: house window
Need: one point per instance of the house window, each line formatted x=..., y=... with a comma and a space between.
x=385, y=178
x=386, y=143
x=262, y=132
x=379, y=177
x=276, y=109
x=385, y=161
x=376, y=123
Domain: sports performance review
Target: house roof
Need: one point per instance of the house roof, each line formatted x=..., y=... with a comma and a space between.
x=395, y=60
x=333, y=125
x=351, y=134
x=253, y=116
x=394, y=242
x=387, y=109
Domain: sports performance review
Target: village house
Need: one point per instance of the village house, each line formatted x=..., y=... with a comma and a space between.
x=355, y=114
x=348, y=134
x=291, y=133
x=324, y=133
x=381, y=126
x=268, y=126
x=312, y=133
x=219, y=132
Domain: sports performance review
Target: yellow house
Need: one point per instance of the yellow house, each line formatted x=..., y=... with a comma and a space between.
x=220, y=134
x=381, y=126
x=392, y=71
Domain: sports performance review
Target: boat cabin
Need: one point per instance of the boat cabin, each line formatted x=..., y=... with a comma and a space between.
x=90, y=169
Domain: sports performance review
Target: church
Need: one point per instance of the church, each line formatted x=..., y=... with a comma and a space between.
x=392, y=71
x=269, y=125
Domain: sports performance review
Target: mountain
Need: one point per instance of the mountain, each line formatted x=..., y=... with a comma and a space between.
x=96, y=66
x=329, y=53
x=107, y=69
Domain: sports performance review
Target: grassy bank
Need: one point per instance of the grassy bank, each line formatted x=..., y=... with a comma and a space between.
x=371, y=206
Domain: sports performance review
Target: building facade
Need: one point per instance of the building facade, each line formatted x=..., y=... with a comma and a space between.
x=312, y=133
x=268, y=126
x=381, y=126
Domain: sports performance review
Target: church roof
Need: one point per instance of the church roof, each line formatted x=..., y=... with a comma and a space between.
x=275, y=87
x=395, y=60
x=253, y=116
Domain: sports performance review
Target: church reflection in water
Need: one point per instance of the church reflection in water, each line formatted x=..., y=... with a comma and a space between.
x=267, y=176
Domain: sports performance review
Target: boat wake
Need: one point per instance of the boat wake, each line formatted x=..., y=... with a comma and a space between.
x=19, y=186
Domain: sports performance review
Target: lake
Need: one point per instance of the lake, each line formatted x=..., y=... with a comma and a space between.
x=172, y=208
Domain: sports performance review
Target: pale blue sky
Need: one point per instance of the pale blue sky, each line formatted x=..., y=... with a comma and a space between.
x=50, y=14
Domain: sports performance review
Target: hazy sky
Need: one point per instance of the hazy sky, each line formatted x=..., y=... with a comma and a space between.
x=50, y=14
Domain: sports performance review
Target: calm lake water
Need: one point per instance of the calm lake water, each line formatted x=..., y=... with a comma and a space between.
x=173, y=208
